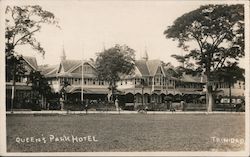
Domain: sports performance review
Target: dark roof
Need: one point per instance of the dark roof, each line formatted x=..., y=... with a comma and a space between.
x=31, y=61
x=142, y=67
x=190, y=78
x=147, y=68
x=48, y=69
x=69, y=64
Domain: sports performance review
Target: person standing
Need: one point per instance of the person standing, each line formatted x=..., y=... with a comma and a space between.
x=116, y=104
x=86, y=105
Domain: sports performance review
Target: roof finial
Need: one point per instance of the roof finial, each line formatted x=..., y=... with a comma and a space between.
x=145, y=54
x=63, y=55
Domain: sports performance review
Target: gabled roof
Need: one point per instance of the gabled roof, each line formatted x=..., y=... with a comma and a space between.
x=148, y=67
x=142, y=67
x=48, y=70
x=190, y=78
x=169, y=71
x=70, y=64
x=31, y=61
x=153, y=66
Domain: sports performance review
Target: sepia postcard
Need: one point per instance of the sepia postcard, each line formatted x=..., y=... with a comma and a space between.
x=124, y=78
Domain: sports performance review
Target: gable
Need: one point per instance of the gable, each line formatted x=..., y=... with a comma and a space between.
x=137, y=72
x=153, y=65
x=77, y=70
x=31, y=62
x=159, y=71
x=87, y=69
x=27, y=67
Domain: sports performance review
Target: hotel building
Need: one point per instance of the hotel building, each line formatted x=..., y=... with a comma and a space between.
x=151, y=82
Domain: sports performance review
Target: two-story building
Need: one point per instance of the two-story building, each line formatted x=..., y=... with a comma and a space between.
x=151, y=82
x=81, y=77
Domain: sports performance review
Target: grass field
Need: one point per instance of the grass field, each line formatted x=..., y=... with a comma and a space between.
x=135, y=132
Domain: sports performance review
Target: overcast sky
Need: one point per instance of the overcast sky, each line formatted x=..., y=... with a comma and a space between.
x=88, y=26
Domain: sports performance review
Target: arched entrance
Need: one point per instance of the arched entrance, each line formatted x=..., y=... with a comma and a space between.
x=146, y=98
x=163, y=97
x=129, y=98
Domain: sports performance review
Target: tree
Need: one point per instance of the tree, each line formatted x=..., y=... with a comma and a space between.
x=186, y=66
x=16, y=61
x=21, y=24
x=212, y=36
x=114, y=62
x=39, y=84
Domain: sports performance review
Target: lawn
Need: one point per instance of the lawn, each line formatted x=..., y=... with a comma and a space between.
x=130, y=132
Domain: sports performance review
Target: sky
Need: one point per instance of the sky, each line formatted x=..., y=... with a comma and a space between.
x=89, y=26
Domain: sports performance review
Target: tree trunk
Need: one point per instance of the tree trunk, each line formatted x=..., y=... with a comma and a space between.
x=142, y=93
x=210, y=101
x=45, y=103
x=13, y=87
x=230, y=96
x=42, y=106
x=112, y=86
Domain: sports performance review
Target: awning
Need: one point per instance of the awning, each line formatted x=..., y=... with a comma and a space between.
x=193, y=92
x=87, y=90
